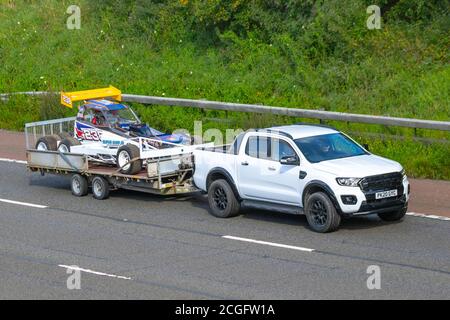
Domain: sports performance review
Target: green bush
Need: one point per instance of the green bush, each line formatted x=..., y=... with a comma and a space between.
x=304, y=54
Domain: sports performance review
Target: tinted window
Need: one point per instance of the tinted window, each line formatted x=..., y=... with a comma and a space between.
x=328, y=147
x=280, y=149
x=257, y=147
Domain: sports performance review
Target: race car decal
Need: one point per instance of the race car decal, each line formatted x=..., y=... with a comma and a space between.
x=85, y=132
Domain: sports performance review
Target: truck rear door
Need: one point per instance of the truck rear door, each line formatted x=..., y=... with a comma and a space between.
x=262, y=176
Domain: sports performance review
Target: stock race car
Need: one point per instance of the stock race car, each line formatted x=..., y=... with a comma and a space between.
x=112, y=122
x=110, y=132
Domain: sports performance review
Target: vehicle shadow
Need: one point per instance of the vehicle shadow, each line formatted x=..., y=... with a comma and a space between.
x=200, y=201
x=354, y=223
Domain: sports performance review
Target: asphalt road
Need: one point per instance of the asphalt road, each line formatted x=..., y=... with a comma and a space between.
x=137, y=246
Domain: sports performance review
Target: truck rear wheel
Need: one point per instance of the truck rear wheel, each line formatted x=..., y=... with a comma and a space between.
x=64, y=146
x=47, y=143
x=124, y=155
x=100, y=188
x=79, y=185
x=321, y=214
x=392, y=216
x=222, y=200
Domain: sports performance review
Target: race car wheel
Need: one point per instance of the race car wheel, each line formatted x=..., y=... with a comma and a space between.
x=321, y=213
x=64, y=135
x=47, y=143
x=79, y=185
x=222, y=200
x=125, y=154
x=100, y=188
x=64, y=146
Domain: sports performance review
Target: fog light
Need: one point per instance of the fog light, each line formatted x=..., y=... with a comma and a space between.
x=349, y=199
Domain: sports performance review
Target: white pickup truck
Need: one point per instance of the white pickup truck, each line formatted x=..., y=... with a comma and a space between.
x=304, y=169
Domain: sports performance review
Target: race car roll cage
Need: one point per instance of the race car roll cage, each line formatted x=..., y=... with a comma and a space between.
x=149, y=148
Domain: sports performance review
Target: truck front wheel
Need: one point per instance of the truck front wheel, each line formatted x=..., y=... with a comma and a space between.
x=222, y=200
x=321, y=213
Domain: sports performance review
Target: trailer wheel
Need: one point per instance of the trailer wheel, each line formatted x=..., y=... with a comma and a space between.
x=47, y=143
x=124, y=155
x=79, y=185
x=100, y=188
x=222, y=200
x=64, y=146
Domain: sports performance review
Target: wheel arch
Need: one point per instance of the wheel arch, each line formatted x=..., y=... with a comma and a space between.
x=220, y=173
x=320, y=186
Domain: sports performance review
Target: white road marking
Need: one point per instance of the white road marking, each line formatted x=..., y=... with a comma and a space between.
x=13, y=160
x=94, y=272
x=24, y=203
x=429, y=216
x=414, y=214
x=273, y=244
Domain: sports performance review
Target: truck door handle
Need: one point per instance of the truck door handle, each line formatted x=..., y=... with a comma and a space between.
x=272, y=168
x=244, y=163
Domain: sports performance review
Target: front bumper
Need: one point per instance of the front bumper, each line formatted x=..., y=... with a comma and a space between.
x=366, y=202
x=382, y=206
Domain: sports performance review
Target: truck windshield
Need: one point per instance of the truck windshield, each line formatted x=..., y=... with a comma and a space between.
x=328, y=147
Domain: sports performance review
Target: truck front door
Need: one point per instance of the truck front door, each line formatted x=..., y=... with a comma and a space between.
x=263, y=177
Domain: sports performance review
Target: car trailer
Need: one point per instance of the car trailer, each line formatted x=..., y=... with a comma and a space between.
x=163, y=176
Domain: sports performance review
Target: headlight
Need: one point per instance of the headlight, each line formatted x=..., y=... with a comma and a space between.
x=403, y=173
x=348, y=182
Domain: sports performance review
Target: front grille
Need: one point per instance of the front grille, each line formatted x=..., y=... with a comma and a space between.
x=381, y=182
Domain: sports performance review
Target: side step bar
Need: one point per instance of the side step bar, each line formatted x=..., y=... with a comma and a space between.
x=263, y=205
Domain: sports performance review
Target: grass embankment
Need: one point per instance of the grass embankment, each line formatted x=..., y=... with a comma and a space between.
x=292, y=54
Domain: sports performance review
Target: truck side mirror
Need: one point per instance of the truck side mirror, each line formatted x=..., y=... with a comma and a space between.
x=366, y=146
x=290, y=160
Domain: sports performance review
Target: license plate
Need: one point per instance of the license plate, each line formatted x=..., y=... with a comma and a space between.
x=386, y=194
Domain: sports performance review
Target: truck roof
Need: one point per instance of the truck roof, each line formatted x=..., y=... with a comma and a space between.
x=297, y=131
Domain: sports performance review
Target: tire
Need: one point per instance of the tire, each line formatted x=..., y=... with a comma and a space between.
x=393, y=216
x=64, y=135
x=64, y=146
x=79, y=185
x=100, y=188
x=47, y=143
x=222, y=200
x=124, y=155
x=321, y=214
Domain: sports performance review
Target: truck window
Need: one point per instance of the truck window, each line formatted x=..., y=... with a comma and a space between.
x=257, y=147
x=280, y=148
x=234, y=149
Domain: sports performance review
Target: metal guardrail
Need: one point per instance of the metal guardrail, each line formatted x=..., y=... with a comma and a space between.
x=300, y=113
x=293, y=112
